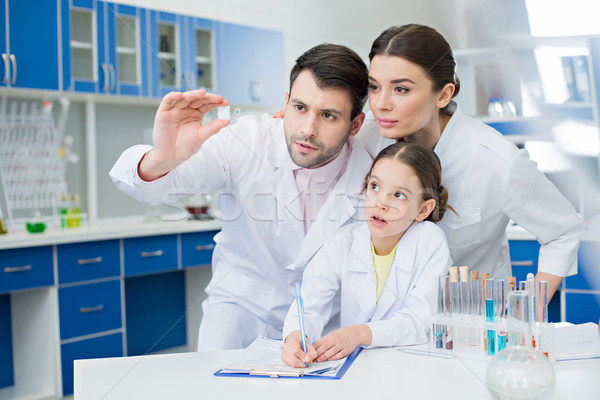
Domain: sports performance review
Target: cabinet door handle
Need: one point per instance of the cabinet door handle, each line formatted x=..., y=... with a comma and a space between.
x=84, y=310
x=6, y=69
x=156, y=253
x=113, y=78
x=13, y=59
x=526, y=263
x=95, y=260
x=106, y=78
x=17, y=269
x=202, y=247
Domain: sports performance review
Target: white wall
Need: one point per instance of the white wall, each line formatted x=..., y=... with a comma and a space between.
x=354, y=23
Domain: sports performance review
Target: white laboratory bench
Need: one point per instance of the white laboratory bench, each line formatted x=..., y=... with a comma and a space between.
x=122, y=228
x=107, y=290
x=376, y=373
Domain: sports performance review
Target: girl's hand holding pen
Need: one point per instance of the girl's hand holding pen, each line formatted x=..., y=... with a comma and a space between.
x=292, y=353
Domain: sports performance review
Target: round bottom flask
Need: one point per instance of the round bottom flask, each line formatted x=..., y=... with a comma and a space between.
x=519, y=371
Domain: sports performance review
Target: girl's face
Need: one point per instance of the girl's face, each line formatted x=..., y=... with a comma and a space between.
x=393, y=201
x=401, y=97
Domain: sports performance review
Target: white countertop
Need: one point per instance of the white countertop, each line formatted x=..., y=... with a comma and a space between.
x=136, y=227
x=130, y=227
x=376, y=373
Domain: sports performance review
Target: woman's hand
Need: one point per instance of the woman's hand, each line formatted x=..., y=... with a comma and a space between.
x=341, y=342
x=292, y=353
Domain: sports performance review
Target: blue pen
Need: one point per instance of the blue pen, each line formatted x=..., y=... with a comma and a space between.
x=300, y=304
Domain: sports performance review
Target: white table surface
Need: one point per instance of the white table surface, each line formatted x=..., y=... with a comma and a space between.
x=376, y=373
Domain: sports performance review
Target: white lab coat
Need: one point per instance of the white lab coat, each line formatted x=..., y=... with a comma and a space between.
x=262, y=249
x=345, y=263
x=491, y=181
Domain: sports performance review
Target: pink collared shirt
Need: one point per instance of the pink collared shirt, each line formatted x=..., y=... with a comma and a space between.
x=315, y=184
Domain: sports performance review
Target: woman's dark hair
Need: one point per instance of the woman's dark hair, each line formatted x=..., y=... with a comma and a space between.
x=336, y=66
x=423, y=46
x=428, y=169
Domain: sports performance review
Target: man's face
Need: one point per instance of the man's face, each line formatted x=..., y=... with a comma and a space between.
x=316, y=122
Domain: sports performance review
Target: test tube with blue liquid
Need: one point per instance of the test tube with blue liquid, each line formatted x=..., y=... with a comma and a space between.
x=500, y=287
x=490, y=310
x=439, y=329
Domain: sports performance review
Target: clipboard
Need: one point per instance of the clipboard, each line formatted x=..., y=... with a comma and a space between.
x=289, y=372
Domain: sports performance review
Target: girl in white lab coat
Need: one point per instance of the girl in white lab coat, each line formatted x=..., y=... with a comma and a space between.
x=383, y=267
x=412, y=82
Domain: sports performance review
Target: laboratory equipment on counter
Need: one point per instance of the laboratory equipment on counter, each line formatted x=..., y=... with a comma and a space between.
x=519, y=371
x=479, y=329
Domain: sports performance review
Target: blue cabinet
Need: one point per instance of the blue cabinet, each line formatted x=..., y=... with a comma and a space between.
x=166, y=37
x=6, y=361
x=583, y=289
x=523, y=258
x=78, y=262
x=29, y=44
x=104, y=48
x=198, y=61
x=155, y=312
x=251, y=70
x=100, y=347
x=26, y=269
x=90, y=308
x=197, y=248
x=150, y=254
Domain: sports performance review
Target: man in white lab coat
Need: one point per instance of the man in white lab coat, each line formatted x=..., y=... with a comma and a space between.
x=286, y=186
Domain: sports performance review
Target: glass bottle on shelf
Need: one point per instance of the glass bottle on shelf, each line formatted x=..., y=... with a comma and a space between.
x=508, y=108
x=495, y=108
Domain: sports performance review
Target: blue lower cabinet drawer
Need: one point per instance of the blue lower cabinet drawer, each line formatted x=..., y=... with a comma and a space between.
x=155, y=312
x=150, y=254
x=89, y=260
x=588, y=268
x=26, y=268
x=90, y=308
x=582, y=307
x=197, y=248
x=6, y=353
x=99, y=347
x=523, y=257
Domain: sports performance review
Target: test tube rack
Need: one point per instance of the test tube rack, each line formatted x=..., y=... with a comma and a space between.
x=32, y=166
x=466, y=335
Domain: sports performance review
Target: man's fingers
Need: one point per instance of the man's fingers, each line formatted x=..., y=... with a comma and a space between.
x=214, y=127
x=169, y=100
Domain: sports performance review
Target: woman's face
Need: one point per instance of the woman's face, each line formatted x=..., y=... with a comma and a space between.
x=401, y=97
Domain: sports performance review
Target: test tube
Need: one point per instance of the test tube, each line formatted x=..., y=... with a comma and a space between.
x=475, y=338
x=541, y=315
x=512, y=283
x=465, y=291
x=456, y=305
x=490, y=309
x=449, y=340
x=530, y=287
x=475, y=293
x=439, y=329
x=484, y=277
x=500, y=289
x=518, y=317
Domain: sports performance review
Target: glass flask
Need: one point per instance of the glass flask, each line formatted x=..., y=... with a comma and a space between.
x=519, y=371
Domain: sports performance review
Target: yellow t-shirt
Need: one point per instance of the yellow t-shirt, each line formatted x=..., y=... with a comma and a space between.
x=382, y=264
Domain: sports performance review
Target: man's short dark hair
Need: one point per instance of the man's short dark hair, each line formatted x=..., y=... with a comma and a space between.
x=336, y=66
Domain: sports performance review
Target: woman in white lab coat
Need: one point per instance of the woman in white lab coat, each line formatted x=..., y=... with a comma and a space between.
x=384, y=268
x=412, y=82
